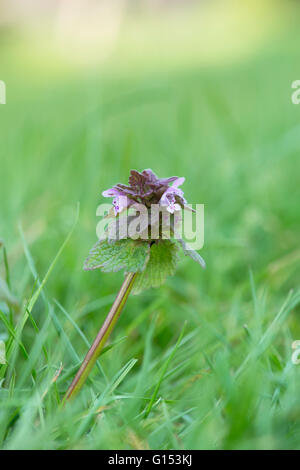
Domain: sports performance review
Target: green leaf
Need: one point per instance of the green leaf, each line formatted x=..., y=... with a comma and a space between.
x=131, y=255
x=162, y=263
x=2, y=353
x=191, y=253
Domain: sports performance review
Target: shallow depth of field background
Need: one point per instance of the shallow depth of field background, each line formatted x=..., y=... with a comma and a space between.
x=200, y=89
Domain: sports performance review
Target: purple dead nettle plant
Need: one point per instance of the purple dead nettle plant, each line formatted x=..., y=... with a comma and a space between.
x=145, y=246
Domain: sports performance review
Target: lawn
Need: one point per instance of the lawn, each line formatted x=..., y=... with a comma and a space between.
x=67, y=134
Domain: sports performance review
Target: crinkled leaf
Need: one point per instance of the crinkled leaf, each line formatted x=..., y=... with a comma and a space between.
x=162, y=263
x=2, y=353
x=126, y=254
x=188, y=251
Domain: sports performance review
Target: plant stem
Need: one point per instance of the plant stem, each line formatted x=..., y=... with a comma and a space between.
x=101, y=338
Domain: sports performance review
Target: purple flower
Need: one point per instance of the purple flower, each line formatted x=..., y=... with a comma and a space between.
x=146, y=188
x=120, y=201
x=173, y=198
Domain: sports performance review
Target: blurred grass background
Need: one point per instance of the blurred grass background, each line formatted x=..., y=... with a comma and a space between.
x=201, y=90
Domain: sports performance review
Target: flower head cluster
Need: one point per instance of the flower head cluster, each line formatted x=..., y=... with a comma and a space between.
x=146, y=238
x=146, y=188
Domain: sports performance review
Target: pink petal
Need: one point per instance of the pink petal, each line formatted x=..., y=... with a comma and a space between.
x=110, y=192
x=178, y=182
x=164, y=200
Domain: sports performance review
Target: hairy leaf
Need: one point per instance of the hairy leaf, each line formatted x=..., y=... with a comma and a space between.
x=126, y=254
x=162, y=263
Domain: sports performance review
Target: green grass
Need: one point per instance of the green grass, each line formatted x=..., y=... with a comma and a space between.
x=228, y=381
